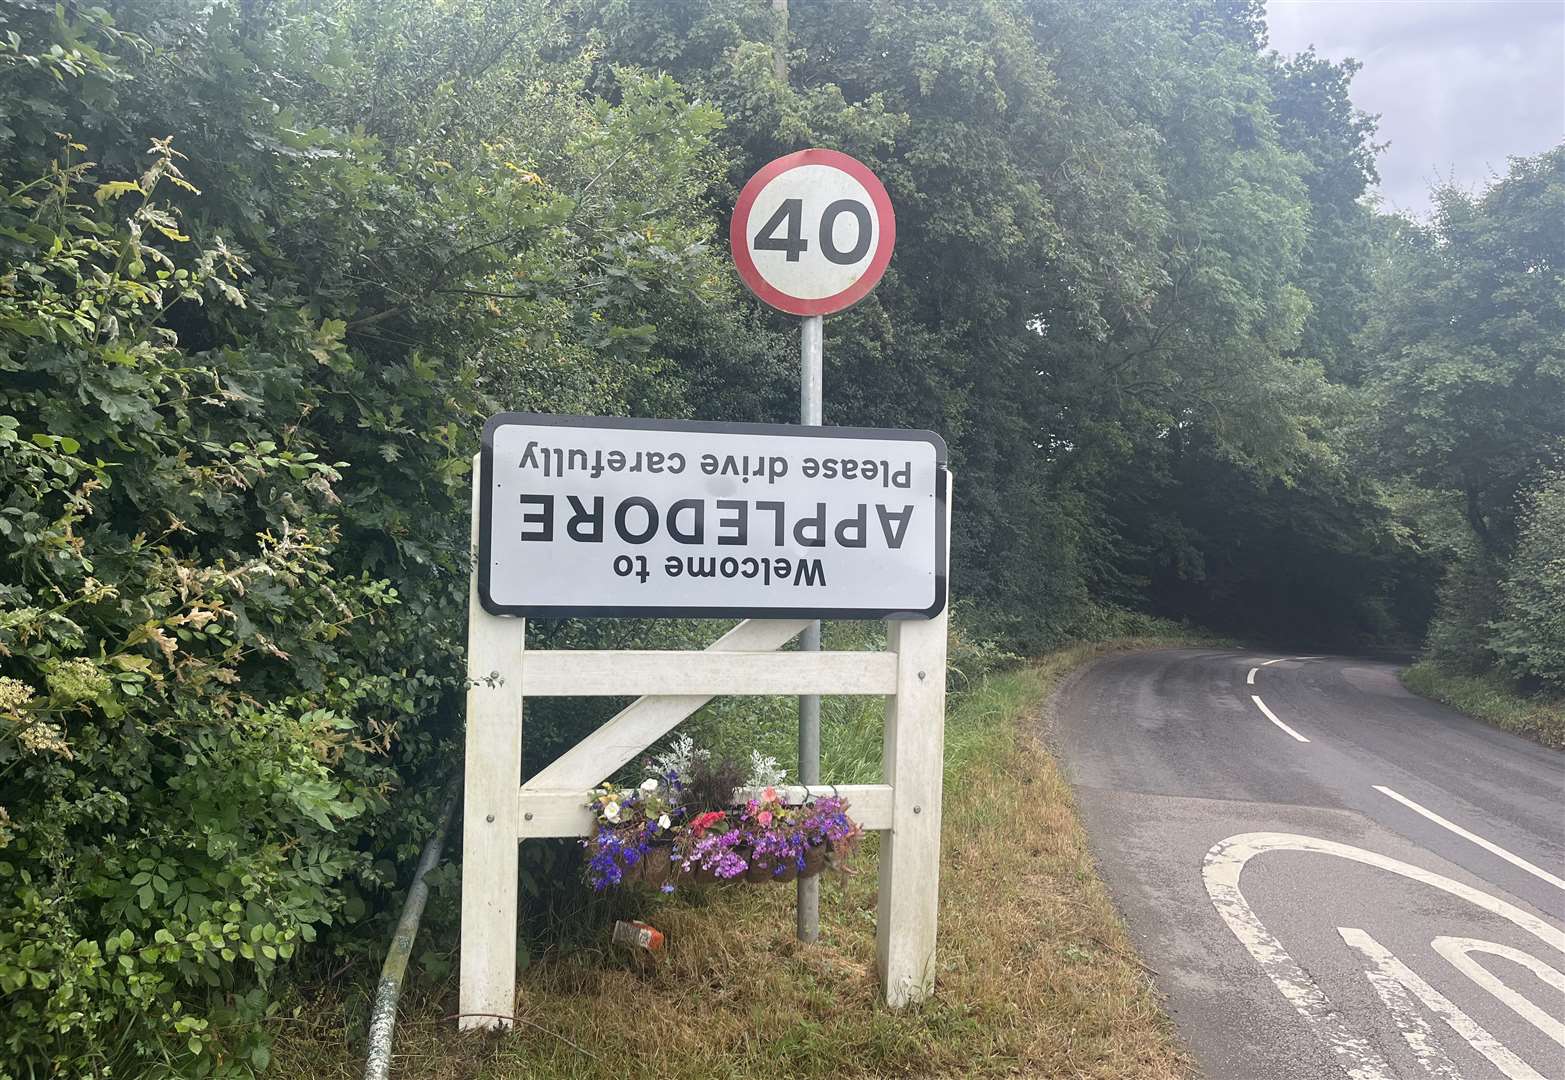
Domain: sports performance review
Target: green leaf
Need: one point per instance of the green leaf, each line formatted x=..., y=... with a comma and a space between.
x=114, y=189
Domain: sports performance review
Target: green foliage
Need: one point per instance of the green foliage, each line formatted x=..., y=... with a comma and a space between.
x=173, y=826
x=1466, y=360
x=1316, y=119
x=1468, y=343
x=1528, y=636
x=240, y=381
x=1469, y=601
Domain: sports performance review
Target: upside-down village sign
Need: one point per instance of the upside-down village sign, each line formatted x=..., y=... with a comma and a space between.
x=776, y=525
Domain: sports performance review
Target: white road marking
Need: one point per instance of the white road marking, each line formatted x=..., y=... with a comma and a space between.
x=1457, y=951
x=1388, y=970
x=1515, y=860
x=1250, y=678
x=1393, y=993
x=1273, y=718
x=1279, y=660
x=1221, y=871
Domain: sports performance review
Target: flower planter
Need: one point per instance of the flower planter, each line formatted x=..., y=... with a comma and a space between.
x=816, y=859
x=647, y=836
x=763, y=870
x=655, y=868
x=697, y=875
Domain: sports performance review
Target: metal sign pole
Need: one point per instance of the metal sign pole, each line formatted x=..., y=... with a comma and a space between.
x=786, y=246
x=811, y=333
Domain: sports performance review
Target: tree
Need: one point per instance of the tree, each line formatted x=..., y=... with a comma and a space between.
x=1467, y=343
x=1099, y=262
x=1316, y=119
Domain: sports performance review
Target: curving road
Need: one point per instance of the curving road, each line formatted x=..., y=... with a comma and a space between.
x=1331, y=876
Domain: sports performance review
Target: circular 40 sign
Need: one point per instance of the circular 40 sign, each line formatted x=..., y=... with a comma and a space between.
x=812, y=232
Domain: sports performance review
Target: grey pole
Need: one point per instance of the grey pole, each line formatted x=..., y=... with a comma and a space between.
x=383, y=1018
x=810, y=350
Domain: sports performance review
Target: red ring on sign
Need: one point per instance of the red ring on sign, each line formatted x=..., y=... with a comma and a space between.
x=886, y=239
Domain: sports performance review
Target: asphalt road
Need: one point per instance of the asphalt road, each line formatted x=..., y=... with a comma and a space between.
x=1304, y=918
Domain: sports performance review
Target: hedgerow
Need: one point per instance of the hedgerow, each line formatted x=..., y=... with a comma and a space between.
x=248, y=332
x=176, y=808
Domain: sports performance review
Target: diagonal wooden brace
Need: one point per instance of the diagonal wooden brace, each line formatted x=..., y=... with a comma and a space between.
x=647, y=719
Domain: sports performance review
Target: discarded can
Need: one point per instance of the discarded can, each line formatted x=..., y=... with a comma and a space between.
x=638, y=935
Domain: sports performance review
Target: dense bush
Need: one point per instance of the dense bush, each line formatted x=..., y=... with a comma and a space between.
x=1529, y=634
x=1459, y=636
x=239, y=391
x=179, y=749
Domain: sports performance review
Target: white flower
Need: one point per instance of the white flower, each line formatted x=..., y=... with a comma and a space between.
x=664, y=822
x=611, y=813
x=679, y=757
x=764, y=771
x=649, y=784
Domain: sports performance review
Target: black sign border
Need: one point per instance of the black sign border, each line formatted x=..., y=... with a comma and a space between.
x=486, y=497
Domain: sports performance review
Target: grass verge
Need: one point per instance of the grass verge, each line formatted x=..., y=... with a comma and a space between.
x=1492, y=699
x=1036, y=975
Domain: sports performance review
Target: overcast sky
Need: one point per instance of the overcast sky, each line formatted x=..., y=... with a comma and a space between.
x=1460, y=85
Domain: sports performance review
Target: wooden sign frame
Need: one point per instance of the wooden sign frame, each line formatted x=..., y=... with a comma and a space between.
x=499, y=811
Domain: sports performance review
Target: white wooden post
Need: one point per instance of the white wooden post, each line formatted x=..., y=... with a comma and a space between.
x=913, y=764
x=492, y=775
x=914, y=757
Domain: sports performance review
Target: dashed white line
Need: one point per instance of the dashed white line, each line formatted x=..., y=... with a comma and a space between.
x=1514, y=860
x=1259, y=704
x=1250, y=678
x=1279, y=660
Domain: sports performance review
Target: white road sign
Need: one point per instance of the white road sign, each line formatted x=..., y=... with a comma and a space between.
x=812, y=232
x=595, y=516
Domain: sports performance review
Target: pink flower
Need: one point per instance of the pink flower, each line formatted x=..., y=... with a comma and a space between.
x=770, y=795
x=764, y=817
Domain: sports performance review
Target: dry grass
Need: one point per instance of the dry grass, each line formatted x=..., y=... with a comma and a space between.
x=1036, y=976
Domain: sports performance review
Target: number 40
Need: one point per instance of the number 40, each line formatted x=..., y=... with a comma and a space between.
x=791, y=214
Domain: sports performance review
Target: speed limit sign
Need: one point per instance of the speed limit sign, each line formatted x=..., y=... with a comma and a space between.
x=812, y=232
